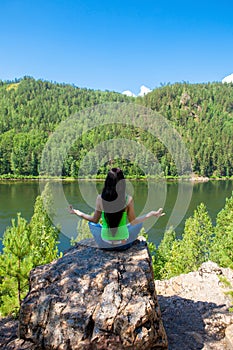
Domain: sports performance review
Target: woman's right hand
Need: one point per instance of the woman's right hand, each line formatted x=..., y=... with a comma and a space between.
x=71, y=210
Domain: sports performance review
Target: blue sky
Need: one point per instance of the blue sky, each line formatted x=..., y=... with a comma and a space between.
x=116, y=45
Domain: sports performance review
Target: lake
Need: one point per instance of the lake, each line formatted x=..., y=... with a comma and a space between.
x=178, y=198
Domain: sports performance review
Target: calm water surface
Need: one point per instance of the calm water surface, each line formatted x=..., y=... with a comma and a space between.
x=17, y=196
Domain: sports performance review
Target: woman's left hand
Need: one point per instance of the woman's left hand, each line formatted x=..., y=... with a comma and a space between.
x=158, y=213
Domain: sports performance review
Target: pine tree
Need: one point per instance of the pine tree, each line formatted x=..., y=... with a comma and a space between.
x=163, y=253
x=44, y=235
x=190, y=252
x=222, y=249
x=26, y=246
x=15, y=263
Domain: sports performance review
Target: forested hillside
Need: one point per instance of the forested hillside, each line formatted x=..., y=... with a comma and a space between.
x=31, y=109
x=203, y=115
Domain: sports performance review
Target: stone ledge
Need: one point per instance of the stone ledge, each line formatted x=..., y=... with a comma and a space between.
x=94, y=299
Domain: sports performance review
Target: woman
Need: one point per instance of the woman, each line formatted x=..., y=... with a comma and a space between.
x=115, y=207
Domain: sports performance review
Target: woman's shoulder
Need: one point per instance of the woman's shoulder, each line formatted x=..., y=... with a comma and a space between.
x=129, y=199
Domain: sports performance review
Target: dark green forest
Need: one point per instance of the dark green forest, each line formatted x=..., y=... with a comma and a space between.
x=30, y=111
x=203, y=115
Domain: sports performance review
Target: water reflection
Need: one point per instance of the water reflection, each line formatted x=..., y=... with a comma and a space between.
x=20, y=197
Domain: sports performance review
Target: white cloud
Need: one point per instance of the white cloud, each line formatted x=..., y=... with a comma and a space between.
x=228, y=79
x=128, y=93
x=143, y=91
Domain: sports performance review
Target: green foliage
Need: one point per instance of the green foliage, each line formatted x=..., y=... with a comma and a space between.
x=200, y=242
x=15, y=264
x=153, y=252
x=30, y=110
x=193, y=249
x=163, y=253
x=230, y=293
x=221, y=251
x=83, y=232
x=203, y=115
x=25, y=246
x=44, y=236
x=226, y=283
x=151, y=245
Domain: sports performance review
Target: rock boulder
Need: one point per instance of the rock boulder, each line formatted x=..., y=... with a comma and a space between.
x=93, y=299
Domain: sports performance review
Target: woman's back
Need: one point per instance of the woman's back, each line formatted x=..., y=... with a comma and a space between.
x=120, y=232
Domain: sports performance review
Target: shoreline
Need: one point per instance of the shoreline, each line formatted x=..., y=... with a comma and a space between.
x=192, y=178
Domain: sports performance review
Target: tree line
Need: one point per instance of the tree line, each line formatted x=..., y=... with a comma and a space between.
x=31, y=110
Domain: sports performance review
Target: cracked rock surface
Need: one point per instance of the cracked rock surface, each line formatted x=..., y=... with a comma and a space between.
x=93, y=299
x=197, y=308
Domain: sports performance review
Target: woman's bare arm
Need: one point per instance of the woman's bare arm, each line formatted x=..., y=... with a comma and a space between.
x=93, y=218
x=137, y=220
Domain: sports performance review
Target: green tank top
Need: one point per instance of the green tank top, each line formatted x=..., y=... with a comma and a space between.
x=122, y=231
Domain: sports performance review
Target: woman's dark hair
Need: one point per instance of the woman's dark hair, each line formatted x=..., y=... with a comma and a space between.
x=114, y=198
